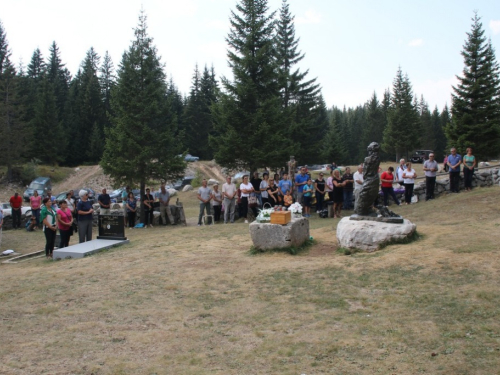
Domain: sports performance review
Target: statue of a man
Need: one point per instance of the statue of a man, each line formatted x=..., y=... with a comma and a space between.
x=371, y=182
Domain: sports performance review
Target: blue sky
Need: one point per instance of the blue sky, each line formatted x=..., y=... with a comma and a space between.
x=353, y=47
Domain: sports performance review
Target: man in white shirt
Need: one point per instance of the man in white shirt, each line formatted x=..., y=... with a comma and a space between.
x=229, y=193
x=358, y=181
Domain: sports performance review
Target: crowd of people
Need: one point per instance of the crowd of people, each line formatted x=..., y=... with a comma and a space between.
x=233, y=201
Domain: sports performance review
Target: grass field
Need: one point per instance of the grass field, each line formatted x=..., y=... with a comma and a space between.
x=190, y=300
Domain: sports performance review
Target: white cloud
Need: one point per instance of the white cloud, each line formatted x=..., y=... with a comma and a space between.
x=416, y=42
x=310, y=17
x=495, y=26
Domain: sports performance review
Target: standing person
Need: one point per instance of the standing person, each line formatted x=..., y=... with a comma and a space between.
x=320, y=190
x=64, y=223
x=338, y=193
x=272, y=191
x=164, y=197
x=229, y=193
x=409, y=176
x=469, y=164
x=387, y=179
x=131, y=204
x=124, y=204
x=300, y=181
x=52, y=198
x=263, y=188
x=148, y=202
x=329, y=187
x=204, y=196
x=104, y=201
x=16, y=202
x=255, y=181
x=85, y=217
x=216, y=202
x=348, y=180
x=36, y=203
x=399, y=172
x=358, y=181
x=48, y=217
x=430, y=168
x=454, y=161
x=276, y=179
x=307, y=195
x=246, y=189
x=1, y=224
x=332, y=167
x=285, y=185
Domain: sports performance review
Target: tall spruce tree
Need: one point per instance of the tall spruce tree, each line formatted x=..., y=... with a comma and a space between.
x=141, y=145
x=299, y=96
x=428, y=137
x=12, y=126
x=375, y=125
x=476, y=99
x=333, y=147
x=107, y=80
x=250, y=131
x=438, y=131
x=402, y=133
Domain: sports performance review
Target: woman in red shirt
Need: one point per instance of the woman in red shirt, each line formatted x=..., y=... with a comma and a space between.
x=387, y=179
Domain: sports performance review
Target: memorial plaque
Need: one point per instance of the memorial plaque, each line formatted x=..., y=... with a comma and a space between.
x=111, y=227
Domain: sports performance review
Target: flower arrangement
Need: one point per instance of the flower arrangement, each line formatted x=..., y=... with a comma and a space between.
x=264, y=215
x=296, y=208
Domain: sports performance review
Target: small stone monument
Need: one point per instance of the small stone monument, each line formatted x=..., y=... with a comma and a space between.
x=369, y=228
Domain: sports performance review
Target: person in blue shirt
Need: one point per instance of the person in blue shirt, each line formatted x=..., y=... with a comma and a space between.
x=284, y=185
x=454, y=161
x=300, y=181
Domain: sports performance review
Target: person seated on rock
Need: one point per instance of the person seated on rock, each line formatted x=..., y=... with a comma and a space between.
x=387, y=179
x=31, y=224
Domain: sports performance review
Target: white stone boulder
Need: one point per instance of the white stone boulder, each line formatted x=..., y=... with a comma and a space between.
x=370, y=235
x=267, y=236
x=187, y=188
x=172, y=192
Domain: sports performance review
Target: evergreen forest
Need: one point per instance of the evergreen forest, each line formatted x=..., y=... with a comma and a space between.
x=128, y=113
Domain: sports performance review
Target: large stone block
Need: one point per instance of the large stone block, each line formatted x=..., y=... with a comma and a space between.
x=370, y=235
x=275, y=236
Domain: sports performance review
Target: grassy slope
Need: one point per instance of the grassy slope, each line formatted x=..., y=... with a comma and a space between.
x=191, y=300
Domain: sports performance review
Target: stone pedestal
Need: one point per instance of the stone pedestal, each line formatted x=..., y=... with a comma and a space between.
x=275, y=236
x=370, y=235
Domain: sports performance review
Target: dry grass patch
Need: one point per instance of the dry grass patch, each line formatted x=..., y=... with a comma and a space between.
x=190, y=300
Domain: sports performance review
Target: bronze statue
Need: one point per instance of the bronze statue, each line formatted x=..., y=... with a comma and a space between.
x=371, y=181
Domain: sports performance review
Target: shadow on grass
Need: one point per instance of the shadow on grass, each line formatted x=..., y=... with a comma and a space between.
x=293, y=250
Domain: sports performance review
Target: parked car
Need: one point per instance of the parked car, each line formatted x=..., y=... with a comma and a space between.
x=241, y=174
x=420, y=156
x=190, y=157
x=7, y=210
x=116, y=195
x=179, y=184
x=40, y=184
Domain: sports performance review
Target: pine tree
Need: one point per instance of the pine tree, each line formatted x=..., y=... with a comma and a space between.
x=333, y=147
x=439, y=136
x=59, y=77
x=300, y=97
x=12, y=126
x=402, y=133
x=375, y=125
x=249, y=126
x=107, y=80
x=428, y=137
x=141, y=145
x=476, y=99
x=46, y=123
